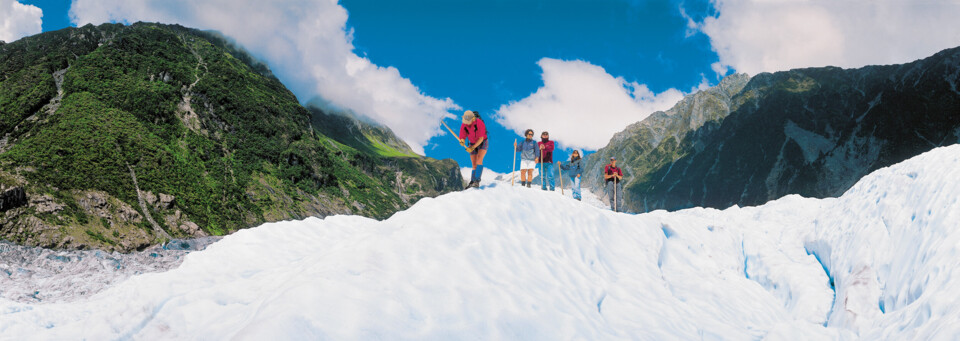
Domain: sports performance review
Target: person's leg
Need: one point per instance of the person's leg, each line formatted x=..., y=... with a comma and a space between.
x=552, y=178
x=576, y=187
x=479, y=163
x=610, y=195
x=473, y=162
x=543, y=175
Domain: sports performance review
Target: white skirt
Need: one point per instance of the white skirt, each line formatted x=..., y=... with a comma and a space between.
x=527, y=164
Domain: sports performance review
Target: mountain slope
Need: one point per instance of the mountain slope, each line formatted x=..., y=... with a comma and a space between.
x=813, y=132
x=390, y=159
x=665, y=136
x=124, y=136
x=877, y=263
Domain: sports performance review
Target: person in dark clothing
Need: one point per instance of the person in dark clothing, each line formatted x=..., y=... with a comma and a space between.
x=575, y=171
x=546, y=161
x=613, y=176
x=474, y=131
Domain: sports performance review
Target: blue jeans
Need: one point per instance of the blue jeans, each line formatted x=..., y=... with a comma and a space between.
x=576, y=187
x=547, y=175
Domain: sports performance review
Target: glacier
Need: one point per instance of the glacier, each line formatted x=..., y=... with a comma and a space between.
x=502, y=262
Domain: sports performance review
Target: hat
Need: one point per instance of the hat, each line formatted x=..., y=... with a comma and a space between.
x=613, y=158
x=468, y=117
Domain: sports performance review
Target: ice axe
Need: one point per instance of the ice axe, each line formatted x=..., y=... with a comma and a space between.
x=454, y=134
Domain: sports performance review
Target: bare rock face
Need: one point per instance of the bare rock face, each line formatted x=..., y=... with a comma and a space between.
x=98, y=204
x=149, y=197
x=166, y=201
x=94, y=202
x=45, y=204
x=159, y=201
x=12, y=198
x=192, y=229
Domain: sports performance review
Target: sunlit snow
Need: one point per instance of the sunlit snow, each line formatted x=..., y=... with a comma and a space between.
x=502, y=262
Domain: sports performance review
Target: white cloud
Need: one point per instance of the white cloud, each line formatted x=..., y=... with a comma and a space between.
x=307, y=45
x=18, y=20
x=755, y=36
x=582, y=106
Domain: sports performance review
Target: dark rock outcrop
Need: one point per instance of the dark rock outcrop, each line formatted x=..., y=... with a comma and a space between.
x=12, y=198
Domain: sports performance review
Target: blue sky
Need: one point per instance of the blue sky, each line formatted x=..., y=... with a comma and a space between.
x=484, y=54
x=583, y=69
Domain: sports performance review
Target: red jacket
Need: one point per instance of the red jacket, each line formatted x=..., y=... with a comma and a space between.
x=610, y=170
x=473, y=131
x=547, y=151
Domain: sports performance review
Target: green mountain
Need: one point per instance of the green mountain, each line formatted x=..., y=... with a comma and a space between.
x=119, y=137
x=812, y=132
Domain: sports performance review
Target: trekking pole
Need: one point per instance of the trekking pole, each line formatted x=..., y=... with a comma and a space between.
x=513, y=172
x=560, y=170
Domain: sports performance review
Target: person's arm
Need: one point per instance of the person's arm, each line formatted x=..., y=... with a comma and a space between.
x=479, y=141
x=549, y=147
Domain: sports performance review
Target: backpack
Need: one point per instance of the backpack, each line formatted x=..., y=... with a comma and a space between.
x=477, y=116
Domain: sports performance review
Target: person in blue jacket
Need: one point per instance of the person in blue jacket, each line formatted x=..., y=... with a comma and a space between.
x=575, y=170
x=528, y=157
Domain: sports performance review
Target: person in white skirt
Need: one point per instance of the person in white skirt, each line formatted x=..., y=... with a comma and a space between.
x=528, y=155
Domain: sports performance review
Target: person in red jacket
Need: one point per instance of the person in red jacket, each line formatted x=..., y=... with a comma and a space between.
x=546, y=161
x=613, y=176
x=474, y=131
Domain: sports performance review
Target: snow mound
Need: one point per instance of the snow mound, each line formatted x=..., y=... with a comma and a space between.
x=880, y=262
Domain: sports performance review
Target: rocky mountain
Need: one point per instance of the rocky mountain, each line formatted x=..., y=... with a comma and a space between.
x=118, y=137
x=812, y=132
x=658, y=140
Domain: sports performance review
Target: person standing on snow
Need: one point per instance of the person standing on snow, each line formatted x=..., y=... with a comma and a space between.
x=614, y=176
x=475, y=132
x=546, y=161
x=528, y=156
x=575, y=171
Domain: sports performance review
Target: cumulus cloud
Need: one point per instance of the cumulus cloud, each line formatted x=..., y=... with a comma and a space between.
x=582, y=106
x=308, y=46
x=18, y=20
x=755, y=36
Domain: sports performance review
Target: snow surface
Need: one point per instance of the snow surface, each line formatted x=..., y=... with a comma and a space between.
x=502, y=262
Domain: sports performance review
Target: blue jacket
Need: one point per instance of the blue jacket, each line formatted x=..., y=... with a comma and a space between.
x=527, y=149
x=574, y=167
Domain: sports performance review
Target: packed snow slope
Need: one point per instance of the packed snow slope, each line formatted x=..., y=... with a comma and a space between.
x=880, y=262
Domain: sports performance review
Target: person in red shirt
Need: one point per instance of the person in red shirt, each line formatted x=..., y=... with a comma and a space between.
x=613, y=176
x=546, y=161
x=474, y=131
